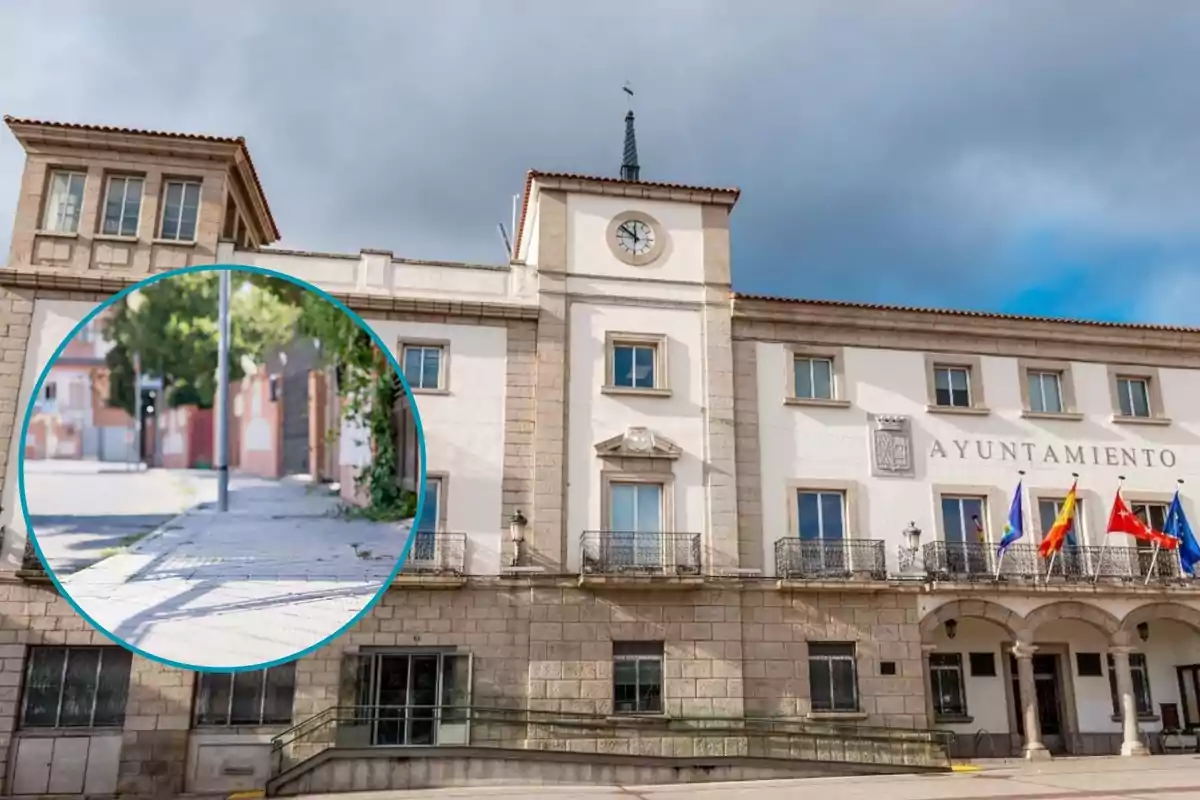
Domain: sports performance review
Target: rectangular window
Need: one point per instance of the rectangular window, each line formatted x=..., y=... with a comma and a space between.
x=832, y=676
x=946, y=679
x=814, y=378
x=983, y=665
x=1133, y=395
x=64, y=202
x=952, y=386
x=821, y=515
x=1045, y=392
x=963, y=519
x=76, y=687
x=637, y=677
x=425, y=544
x=122, y=206
x=423, y=366
x=181, y=207
x=1048, y=510
x=258, y=697
x=636, y=508
x=50, y=391
x=634, y=365
x=1141, y=685
x=1088, y=665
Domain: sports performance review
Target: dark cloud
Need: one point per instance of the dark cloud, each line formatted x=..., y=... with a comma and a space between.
x=1037, y=156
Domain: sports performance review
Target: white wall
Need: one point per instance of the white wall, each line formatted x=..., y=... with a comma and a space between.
x=588, y=217
x=833, y=444
x=595, y=417
x=52, y=321
x=464, y=430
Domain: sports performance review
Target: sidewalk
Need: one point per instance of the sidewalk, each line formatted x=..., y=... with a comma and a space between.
x=276, y=574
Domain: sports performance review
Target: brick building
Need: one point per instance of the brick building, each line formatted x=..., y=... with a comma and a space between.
x=673, y=533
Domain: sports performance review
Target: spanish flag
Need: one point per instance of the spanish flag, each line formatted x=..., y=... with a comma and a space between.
x=1052, y=542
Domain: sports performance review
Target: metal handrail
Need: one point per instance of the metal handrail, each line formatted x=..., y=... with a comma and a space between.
x=617, y=552
x=809, y=559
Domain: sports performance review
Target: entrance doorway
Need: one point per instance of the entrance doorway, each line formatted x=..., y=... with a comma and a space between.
x=1189, y=696
x=415, y=698
x=1047, y=680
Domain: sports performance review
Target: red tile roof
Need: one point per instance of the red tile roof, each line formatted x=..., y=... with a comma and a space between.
x=962, y=313
x=534, y=174
x=196, y=137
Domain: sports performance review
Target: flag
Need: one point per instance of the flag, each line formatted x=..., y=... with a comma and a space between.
x=1122, y=520
x=1014, y=528
x=1177, y=526
x=979, y=532
x=1052, y=542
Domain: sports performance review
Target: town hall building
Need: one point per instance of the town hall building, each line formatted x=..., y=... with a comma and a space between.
x=684, y=533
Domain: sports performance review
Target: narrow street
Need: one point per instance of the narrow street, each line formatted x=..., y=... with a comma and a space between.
x=149, y=559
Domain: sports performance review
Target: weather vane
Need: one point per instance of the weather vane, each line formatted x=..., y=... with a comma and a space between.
x=627, y=89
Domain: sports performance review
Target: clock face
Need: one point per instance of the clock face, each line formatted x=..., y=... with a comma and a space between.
x=635, y=237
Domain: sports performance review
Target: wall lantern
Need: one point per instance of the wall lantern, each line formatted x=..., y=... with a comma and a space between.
x=1143, y=630
x=951, y=628
x=912, y=537
x=516, y=534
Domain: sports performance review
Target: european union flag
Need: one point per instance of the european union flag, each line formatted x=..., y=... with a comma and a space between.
x=1176, y=525
x=1014, y=528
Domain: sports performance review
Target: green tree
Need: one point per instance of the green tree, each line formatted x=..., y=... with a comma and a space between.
x=173, y=326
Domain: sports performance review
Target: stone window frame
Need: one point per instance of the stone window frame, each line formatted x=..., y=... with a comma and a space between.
x=1114, y=695
x=849, y=490
x=1153, y=379
x=974, y=367
x=443, y=483
x=664, y=478
x=443, y=387
x=995, y=508
x=836, y=357
x=853, y=658
x=1066, y=389
x=660, y=344
x=167, y=180
x=1141, y=498
x=102, y=211
x=122, y=664
x=51, y=173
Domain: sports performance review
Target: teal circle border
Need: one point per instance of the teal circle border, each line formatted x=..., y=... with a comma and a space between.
x=37, y=388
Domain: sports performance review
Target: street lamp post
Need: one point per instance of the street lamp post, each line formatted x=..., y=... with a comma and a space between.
x=223, y=394
x=137, y=411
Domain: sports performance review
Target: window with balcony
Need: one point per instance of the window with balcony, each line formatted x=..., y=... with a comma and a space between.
x=181, y=209
x=424, y=366
x=964, y=527
x=257, y=697
x=638, y=677
x=122, y=206
x=424, y=547
x=1154, y=515
x=636, y=524
x=75, y=687
x=947, y=685
x=832, y=677
x=1071, y=560
x=64, y=201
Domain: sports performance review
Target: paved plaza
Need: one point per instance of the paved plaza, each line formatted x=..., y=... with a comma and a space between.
x=276, y=574
x=1155, y=778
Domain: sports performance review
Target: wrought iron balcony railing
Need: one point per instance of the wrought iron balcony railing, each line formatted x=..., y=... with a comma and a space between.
x=437, y=554
x=979, y=562
x=799, y=559
x=629, y=552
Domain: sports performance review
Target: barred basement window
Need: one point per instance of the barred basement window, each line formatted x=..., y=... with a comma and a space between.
x=637, y=677
x=946, y=678
x=259, y=697
x=75, y=687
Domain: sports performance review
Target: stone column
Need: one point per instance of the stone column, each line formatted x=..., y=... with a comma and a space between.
x=1033, y=750
x=930, y=714
x=1131, y=744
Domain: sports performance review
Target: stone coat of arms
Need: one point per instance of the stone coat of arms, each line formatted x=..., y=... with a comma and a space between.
x=891, y=446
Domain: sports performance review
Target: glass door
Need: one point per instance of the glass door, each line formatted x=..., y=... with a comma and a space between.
x=636, y=521
x=420, y=699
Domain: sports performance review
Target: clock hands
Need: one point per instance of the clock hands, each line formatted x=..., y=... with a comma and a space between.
x=628, y=231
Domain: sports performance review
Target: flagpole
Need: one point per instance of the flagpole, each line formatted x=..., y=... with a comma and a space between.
x=1054, y=555
x=1179, y=546
x=1107, y=534
x=1021, y=502
x=1153, y=563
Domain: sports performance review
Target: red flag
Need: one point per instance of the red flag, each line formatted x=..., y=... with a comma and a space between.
x=1122, y=520
x=1053, y=541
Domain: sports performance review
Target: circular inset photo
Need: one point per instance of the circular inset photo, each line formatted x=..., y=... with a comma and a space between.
x=221, y=468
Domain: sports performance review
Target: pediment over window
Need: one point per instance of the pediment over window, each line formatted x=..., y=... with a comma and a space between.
x=638, y=443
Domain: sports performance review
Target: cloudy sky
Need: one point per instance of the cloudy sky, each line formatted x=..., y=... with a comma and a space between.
x=1034, y=156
